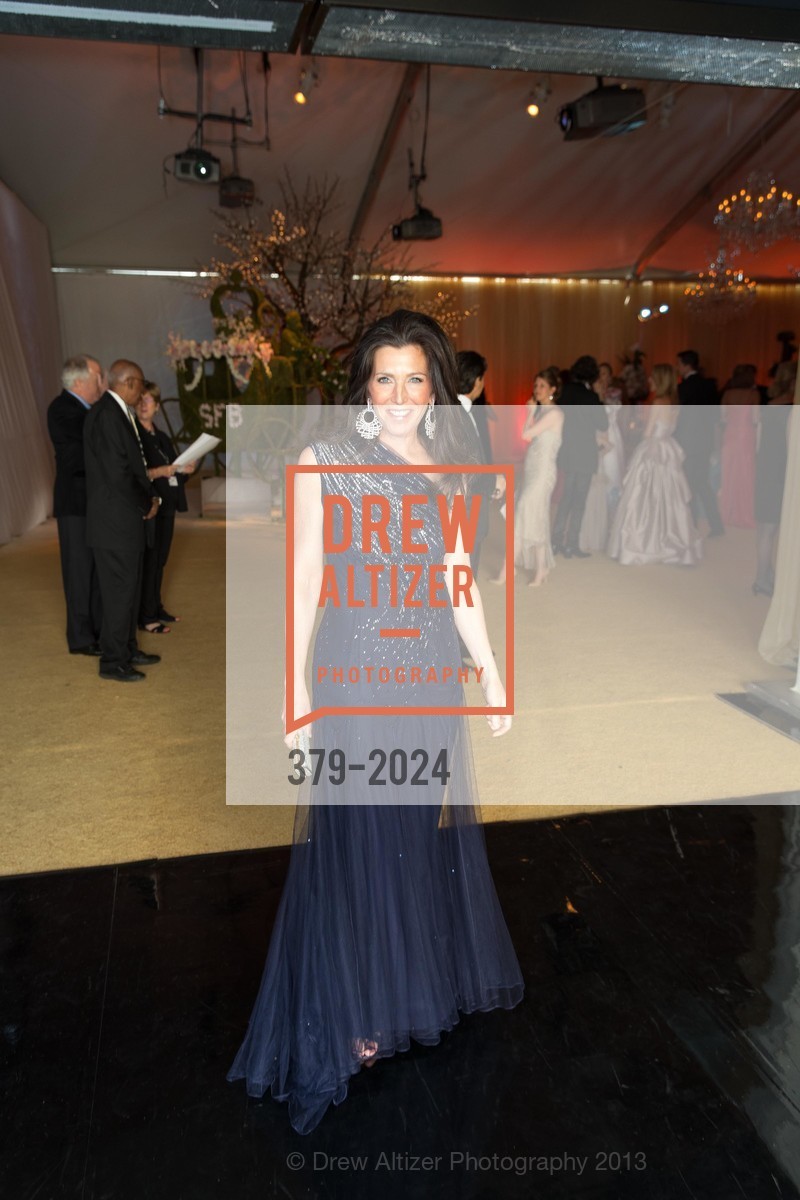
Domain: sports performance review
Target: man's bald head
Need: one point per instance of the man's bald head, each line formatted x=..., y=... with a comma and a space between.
x=126, y=378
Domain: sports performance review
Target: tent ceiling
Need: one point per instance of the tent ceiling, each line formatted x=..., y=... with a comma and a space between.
x=86, y=148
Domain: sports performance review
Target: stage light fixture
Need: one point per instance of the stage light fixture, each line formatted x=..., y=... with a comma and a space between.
x=236, y=192
x=652, y=314
x=196, y=165
x=423, y=226
x=605, y=110
x=533, y=108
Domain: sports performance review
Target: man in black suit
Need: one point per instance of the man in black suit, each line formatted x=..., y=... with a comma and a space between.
x=696, y=433
x=120, y=499
x=584, y=419
x=82, y=383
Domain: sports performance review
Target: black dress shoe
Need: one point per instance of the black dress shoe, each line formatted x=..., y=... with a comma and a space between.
x=140, y=659
x=122, y=674
x=578, y=554
x=92, y=650
x=565, y=550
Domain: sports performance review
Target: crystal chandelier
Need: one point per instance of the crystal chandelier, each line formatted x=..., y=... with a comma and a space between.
x=758, y=215
x=720, y=292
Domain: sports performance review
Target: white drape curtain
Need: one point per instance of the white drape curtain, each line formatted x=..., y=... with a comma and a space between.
x=30, y=355
x=780, y=636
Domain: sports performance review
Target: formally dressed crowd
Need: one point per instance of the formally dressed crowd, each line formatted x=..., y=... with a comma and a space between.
x=644, y=478
x=632, y=476
x=117, y=490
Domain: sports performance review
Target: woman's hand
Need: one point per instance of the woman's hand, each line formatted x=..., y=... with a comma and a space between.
x=302, y=706
x=187, y=468
x=495, y=696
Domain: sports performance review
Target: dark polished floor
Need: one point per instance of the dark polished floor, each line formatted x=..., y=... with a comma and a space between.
x=656, y=1053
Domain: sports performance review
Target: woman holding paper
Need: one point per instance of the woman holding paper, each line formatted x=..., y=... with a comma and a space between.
x=168, y=479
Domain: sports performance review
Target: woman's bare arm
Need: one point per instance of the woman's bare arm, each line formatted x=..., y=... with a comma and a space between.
x=471, y=625
x=308, y=563
x=551, y=420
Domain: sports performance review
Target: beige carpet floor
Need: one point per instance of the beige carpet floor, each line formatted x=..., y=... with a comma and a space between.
x=616, y=675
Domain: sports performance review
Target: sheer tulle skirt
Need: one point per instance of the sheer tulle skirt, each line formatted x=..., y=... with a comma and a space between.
x=388, y=928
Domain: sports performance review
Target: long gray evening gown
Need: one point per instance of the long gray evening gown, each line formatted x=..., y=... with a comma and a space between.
x=653, y=523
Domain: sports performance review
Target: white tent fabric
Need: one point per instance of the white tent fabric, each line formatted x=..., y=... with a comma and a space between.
x=29, y=356
x=781, y=634
x=86, y=151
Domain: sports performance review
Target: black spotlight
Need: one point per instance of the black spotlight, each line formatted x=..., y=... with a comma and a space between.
x=196, y=166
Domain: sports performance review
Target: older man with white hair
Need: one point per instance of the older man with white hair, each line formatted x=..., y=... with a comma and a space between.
x=82, y=382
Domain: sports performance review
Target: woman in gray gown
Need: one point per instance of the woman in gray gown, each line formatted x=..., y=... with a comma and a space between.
x=653, y=523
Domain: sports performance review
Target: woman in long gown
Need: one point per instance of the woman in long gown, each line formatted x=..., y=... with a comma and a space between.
x=606, y=485
x=740, y=402
x=653, y=523
x=542, y=430
x=389, y=925
x=771, y=472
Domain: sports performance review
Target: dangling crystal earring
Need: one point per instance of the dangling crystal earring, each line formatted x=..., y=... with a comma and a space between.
x=367, y=422
x=430, y=423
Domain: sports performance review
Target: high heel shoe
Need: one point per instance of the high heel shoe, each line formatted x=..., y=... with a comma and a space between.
x=758, y=590
x=365, y=1051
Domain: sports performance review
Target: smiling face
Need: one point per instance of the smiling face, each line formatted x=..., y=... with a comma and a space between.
x=400, y=388
x=542, y=392
x=147, y=407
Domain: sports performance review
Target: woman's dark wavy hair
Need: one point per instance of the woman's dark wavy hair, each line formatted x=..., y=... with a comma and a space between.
x=451, y=442
x=552, y=377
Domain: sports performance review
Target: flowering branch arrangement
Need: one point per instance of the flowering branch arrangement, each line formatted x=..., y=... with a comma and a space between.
x=237, y=341
x=320, y=289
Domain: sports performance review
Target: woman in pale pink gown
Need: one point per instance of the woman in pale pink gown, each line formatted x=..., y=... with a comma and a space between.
x=738, y=458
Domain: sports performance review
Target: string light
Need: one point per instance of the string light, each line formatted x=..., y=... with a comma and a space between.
x=308, y=79
x=539, y=95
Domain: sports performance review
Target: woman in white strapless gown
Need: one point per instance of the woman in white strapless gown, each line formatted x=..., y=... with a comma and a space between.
x=653, y=523
x=542, y=429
